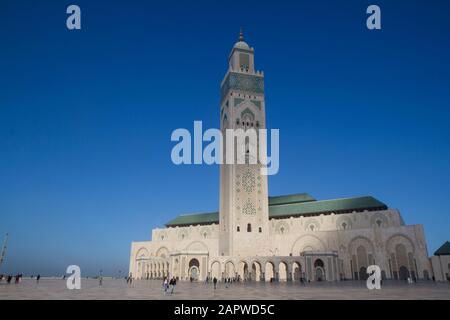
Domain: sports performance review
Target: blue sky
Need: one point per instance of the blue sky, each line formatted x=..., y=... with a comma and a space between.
x=86, y=116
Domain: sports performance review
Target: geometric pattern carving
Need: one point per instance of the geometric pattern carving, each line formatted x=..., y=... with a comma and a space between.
x=378, y=220
x=312, y=225
x=249, y=208
x=282, y=228
x=248, y=181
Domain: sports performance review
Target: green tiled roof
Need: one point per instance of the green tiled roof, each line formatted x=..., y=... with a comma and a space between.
x=291, y=205
x=444, y=250
x=292, y=198
x=197, y=218
x=324, y=206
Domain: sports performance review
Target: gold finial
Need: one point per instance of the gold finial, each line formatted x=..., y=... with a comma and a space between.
x=241, y=35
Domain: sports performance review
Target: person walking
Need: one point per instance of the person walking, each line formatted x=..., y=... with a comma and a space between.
x=37, y=278
x=165, y=285
x=215, y=283
x=174, y=283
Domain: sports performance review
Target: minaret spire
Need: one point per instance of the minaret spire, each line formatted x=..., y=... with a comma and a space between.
x=241, y=35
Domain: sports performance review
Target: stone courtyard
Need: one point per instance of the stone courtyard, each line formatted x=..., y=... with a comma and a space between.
x=152, y=289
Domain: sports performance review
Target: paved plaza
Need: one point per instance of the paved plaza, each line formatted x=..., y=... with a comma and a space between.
x=152, y=289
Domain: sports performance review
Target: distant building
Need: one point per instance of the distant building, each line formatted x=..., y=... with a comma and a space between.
x=441, y=263
x=255, y=237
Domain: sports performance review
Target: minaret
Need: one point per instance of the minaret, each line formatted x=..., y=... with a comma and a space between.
x=244, y=213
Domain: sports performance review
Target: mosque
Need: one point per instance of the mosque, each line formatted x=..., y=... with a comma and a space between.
x=256, y=237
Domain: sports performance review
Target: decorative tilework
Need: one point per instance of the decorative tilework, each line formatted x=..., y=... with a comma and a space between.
x=243, y=82
x=257, y=103
x=237, y=101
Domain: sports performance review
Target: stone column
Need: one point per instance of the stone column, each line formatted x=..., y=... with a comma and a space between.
x=288, y=272
x=309, y=270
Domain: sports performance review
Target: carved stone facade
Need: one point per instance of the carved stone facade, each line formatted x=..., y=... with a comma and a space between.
x=254, y=237
x=327, y=251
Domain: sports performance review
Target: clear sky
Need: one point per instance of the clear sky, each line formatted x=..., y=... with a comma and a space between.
x=86, y=116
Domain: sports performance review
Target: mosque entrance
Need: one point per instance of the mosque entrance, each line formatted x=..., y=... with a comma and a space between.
x=319, y=270
x=403, y=273
x=194, y=269
x=194, y=273
x=319, y=274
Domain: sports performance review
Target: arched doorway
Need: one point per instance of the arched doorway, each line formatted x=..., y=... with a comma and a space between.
x=282, y=271
x=230, y=270
x=270, y=271
x=426, y=276
x=319, y=270
x=361, y=254
x=403, y=273
x=243, y=271
x=194, y=269
x=402, y=261
x=296, y=271
x=215, y=270
x=256, y=271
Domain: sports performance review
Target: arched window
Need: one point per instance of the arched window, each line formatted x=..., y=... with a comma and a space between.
x=318, y=263
x=249, y=227
x=260, y=229
x=238, y=229
x=194, y=263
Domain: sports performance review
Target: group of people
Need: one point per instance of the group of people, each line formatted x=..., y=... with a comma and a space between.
x=228, y=281
x=17, y=278
x=169, y=285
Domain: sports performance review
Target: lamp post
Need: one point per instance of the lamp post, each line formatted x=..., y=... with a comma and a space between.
x=2, y=257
